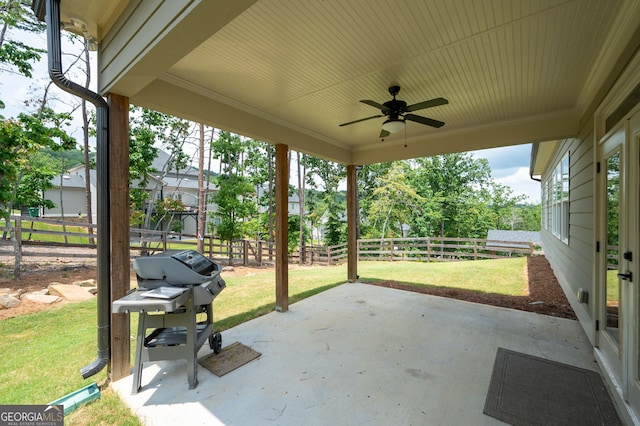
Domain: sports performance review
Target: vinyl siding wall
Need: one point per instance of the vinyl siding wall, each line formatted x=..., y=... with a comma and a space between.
x=74, y=201
x=572, y=262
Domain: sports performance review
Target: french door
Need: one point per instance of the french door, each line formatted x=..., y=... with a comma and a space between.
x=619, y=255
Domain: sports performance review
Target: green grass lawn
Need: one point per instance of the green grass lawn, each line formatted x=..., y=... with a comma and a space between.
x=501, y=276
x=42, y=353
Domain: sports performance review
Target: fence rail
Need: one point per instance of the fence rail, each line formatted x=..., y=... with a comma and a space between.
x=34, y=232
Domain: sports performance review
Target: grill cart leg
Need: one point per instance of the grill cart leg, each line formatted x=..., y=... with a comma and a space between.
x=192, y=336
x=137, y=366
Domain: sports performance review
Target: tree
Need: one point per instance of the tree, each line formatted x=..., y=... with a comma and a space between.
x=329, y=174
x=302, y=174
x=236, y=195
x=368, y=181
x=149, y=129
x=235, y=201
x=30, y=188
x=453, y=178
x=21, y=139
x=201, y=194
x=504, y=206
x=258, y=167
x=530, y=215
x=16, y=56
x=393, y=202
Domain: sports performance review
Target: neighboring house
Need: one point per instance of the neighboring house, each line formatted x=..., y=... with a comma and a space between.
x=68, y=192
x=590, y=225
x=181, y=184
x=293, y=204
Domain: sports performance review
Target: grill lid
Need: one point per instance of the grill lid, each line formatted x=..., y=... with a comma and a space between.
x=181, y=268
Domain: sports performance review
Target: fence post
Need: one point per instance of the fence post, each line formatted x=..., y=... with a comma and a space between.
x=531, y=248
x=245, y=252
x=17, y=234
x=164, y=241
x=329, y=260
x=475, y=249
x=428, y=249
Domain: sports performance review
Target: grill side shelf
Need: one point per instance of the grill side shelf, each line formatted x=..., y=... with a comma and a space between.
x=136, y=302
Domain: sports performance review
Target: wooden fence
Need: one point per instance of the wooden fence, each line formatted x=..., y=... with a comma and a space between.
x=34, y=232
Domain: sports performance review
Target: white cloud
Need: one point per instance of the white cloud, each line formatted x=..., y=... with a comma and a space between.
x=521, y=183
x=510, y=166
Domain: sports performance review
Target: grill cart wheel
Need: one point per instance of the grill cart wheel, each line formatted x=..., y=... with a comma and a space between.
x=215, y=343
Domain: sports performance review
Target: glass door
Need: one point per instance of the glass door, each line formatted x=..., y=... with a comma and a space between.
x=613, y=312
x=618, y=214
x=631, y=269
x=611, y=238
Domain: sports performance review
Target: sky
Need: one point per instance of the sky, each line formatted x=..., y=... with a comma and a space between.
x=509, y=165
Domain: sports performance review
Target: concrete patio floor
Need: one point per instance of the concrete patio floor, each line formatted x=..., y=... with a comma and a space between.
x=358, y=355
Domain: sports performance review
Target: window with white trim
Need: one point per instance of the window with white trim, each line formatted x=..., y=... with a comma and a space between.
x=556, y=198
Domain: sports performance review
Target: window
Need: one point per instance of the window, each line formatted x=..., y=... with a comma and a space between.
x=556, y=201
x=545, y=217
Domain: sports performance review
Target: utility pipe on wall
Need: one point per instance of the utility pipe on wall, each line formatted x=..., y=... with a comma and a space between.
x=49, y=11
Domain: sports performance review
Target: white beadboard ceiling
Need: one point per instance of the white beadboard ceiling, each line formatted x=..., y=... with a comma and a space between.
x=283, y=71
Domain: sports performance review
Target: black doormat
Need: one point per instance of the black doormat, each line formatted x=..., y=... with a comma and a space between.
x=527, y=390
x=231, y=357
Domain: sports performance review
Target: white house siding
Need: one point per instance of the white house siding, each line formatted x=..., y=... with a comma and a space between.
x=573, y=262
x=74, y=202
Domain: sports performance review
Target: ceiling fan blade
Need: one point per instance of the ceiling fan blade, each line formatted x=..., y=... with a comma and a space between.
x=384, y=134
x=374, y=104
x=427, y=104
x=362, y=119
x=423, y=120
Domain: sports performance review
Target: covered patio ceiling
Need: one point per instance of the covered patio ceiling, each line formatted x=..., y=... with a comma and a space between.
x=290, y=72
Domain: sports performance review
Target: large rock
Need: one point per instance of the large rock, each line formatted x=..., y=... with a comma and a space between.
x=8, y=301
x=70, y=292
x=41, y=298
x=86, y=283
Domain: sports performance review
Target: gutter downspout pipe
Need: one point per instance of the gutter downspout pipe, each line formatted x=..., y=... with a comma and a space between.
x=102, y=172
x=534, y=156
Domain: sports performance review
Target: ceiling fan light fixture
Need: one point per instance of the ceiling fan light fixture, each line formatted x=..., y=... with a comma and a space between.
x=393, y=126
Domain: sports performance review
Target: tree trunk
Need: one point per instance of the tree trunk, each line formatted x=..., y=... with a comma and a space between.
x=213, y=131
x=301, y=208
x=85, y=135
x=271, y=179
x=201, y=212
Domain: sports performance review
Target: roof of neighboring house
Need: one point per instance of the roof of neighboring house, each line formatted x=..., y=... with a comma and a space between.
x=185, y=183
x=69, y=181
x=525, y=237
x=160, y=163
x=73, y=179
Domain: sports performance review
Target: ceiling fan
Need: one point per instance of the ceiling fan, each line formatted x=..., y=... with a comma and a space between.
x=396, y=111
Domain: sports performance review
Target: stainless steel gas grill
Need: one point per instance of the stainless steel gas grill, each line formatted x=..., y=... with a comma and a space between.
x=174, y=300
